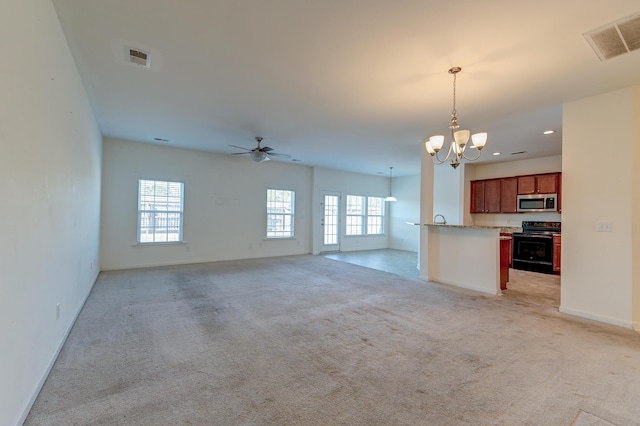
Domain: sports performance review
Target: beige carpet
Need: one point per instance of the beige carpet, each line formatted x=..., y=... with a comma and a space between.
x=307, y=340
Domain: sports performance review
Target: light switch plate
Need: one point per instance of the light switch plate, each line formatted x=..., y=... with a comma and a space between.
x=604, y=226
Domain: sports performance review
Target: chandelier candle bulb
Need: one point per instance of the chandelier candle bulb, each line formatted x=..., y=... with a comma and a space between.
x=461, y=137
x=436, y=142
x=429, y=148
x=479, y=140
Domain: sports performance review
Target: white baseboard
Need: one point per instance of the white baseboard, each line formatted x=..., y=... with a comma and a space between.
x=52, y=361
x=599, y=318
x=469, y=287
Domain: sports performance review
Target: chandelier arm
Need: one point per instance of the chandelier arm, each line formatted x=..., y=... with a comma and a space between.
x=471, y=159
x=437, y=160
x=448, y=157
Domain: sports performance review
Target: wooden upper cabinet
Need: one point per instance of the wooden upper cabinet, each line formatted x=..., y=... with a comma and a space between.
x=477, y=196
x=526, y=185
x=538, y=184
x=547, y=184
x=509, y=195
x=485, y=196
x=492, y=196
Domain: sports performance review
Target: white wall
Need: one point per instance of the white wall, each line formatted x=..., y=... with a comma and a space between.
x=448, y=193
x=506, y=169
x=598, y=279
x=50, y=185
x=427, y=169
x=225, y=205
x=349, y=184
x=225, y=211
x=550, y=164
x=407, y=209
x=450, y=259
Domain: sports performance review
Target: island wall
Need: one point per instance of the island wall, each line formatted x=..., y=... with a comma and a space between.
x=463, y=256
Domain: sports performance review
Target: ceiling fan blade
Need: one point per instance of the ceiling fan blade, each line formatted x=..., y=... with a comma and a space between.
x=240, y=153
x=276, y=154
x=241, y=147
x=267, y=149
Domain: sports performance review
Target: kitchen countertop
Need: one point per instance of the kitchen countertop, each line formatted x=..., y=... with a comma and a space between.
x=503, y=229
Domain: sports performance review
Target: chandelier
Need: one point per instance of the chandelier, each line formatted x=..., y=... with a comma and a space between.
x=459, y=138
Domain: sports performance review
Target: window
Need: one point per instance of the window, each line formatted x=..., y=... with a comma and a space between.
x=363, y=210
x=280, y=210
x=375, y=209
x=160, y=210
x=355, y=215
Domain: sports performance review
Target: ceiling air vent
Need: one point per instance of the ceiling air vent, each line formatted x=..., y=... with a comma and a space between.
x=621, y=36
x=139, y=57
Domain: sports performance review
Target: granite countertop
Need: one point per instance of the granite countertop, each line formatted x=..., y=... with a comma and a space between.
x=503, y=229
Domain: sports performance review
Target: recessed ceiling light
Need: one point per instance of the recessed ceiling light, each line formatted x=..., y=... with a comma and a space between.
x=548, y=132
x=497, y=153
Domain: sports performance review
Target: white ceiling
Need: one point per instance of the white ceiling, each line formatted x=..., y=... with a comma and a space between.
x=344, y=84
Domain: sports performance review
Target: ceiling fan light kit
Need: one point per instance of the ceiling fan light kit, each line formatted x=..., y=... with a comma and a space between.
x=259, y=156
x=459, y=138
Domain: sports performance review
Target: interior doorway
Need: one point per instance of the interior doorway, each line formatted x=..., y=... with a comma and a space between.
x=330, y=221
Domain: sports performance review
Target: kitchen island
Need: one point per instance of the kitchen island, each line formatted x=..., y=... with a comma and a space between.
x=463, y=256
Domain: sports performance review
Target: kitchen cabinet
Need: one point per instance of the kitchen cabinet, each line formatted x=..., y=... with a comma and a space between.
x=557, y=244
x=485, y=196
x=559, y=192
x=509, y=247
x=509, y=195
x=500, y=195
x=505, y=248
x=538, y=184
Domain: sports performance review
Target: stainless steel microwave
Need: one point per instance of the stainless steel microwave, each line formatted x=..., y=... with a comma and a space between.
x=538, y=203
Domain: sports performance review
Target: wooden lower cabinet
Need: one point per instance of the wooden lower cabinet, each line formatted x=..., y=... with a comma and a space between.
x=505, y=259
x=557, y=244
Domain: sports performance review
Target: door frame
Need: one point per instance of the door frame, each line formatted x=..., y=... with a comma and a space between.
x=326, y=248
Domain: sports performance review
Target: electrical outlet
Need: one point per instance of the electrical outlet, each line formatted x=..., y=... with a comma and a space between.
x=604, y=226
x=57, y=310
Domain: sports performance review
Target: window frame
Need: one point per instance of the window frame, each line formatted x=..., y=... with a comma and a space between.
x=167, y=203
x=355, y=216
x=287, y=230
x=363, y=216
x=379, y=216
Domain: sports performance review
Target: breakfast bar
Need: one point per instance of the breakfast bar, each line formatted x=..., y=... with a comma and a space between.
x=464, y=256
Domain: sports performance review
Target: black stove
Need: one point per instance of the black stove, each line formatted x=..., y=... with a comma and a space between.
x=544, y=228
x=533, y=247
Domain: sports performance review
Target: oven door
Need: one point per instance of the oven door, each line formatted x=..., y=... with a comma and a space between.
x=533, y=252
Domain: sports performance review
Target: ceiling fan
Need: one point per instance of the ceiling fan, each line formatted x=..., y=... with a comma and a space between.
x=259, y=153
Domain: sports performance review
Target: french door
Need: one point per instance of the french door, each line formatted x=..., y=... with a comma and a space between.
x=330, y=205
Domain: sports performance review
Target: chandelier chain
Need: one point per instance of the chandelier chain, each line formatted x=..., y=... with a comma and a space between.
x=454, y=94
